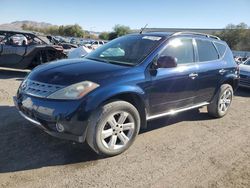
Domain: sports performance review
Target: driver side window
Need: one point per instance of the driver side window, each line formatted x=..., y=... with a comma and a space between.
x=181, y=49
x=15, y=40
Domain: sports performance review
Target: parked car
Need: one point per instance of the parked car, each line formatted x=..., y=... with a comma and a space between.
x=240, y=60
x=245, y=74
x=106, y=98
x=73, y=41
x=83, y=42
x=20, y=49
x=95, y=44
x=79, y=52
x=60, y=41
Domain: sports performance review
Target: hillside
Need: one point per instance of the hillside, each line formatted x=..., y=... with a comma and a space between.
x=17, y=25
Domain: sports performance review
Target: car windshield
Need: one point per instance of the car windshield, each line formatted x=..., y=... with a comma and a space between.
x=127, y=50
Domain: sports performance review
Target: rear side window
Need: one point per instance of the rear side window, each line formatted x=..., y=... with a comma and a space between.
x=221, y=48
x=181, y=49
x=206, y=50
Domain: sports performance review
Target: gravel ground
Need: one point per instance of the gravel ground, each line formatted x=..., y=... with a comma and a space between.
x=186, y=150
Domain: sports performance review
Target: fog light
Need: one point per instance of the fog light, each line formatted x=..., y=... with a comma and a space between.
x=59, y=127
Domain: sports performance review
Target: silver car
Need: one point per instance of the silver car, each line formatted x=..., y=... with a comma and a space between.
x=245, y=74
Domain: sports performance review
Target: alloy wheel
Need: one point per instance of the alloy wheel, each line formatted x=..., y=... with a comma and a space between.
x=225, y=100
x=117, y=130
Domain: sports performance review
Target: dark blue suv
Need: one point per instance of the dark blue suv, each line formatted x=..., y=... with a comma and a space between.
x=109, y=95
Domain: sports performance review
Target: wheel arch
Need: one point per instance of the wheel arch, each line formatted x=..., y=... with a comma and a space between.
x=231, y=80
x=129, y=93
x=38, y=51
x=133, y=98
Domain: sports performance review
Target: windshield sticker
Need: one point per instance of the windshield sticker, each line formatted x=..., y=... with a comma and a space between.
x=152, y=38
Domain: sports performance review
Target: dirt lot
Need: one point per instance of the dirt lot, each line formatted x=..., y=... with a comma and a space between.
x=186, y=150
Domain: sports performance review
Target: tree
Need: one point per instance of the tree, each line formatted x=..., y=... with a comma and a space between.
x=118, y=30
x=121, y=30
x=61, y=30
x=236, y=36
x=112, y=35
x=104, y=36
x=24, y=26
x=68, y=30
x=73, y=30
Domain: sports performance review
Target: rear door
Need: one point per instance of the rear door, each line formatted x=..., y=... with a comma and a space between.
x=210, y=71
x=174, y=88
x=13, y=50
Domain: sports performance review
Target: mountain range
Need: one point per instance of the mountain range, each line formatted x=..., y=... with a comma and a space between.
x=17, y=25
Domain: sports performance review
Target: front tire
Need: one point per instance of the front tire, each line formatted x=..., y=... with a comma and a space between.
x=113, y=128
x=221, y=102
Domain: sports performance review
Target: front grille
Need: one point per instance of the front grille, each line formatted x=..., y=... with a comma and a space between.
x=39, y=89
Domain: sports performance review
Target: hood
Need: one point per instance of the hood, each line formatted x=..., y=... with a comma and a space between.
x=70, y=71
x=244, y=68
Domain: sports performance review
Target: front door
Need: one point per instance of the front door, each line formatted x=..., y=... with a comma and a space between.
x=13, y=50
x=174, y=88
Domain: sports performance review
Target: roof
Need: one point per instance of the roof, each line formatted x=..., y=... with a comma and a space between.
x=183, y=33
x=200, y=30
x=158, y=34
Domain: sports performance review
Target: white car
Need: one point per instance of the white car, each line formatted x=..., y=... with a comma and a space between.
x=79, y=52
x=95, y=44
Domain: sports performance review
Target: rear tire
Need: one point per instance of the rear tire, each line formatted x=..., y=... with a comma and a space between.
x=221, y=102
x=113, y=128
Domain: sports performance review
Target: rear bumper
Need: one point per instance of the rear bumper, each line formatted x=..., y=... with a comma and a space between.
x=75, y=129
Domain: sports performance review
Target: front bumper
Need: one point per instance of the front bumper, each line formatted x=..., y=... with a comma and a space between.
x=46, y=114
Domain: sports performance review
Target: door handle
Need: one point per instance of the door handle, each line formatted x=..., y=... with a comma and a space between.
x=193, y=75
x=222, y=71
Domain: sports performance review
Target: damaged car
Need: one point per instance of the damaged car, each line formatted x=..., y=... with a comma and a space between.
x=60, y=41
x=22, y=50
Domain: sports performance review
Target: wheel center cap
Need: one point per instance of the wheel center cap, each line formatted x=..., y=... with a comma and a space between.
x=118, y=128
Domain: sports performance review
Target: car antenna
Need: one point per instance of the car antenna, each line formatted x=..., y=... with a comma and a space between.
x=142, y=29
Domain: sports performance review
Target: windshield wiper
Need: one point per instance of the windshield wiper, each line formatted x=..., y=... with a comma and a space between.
x=97, y=59
x=110, y=61
x=121, y=63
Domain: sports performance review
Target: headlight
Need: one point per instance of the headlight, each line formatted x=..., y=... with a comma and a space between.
x=75, y=91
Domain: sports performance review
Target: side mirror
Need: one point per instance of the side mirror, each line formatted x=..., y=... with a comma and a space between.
x=166, y=62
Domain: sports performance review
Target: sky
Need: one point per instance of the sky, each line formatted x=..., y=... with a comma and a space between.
x=102, y=15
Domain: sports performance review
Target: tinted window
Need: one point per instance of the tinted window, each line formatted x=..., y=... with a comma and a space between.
x=206, y=50
x=181, y=49
x=221, y=48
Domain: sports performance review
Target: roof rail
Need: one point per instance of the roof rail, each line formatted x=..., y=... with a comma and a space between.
x=195, y=33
